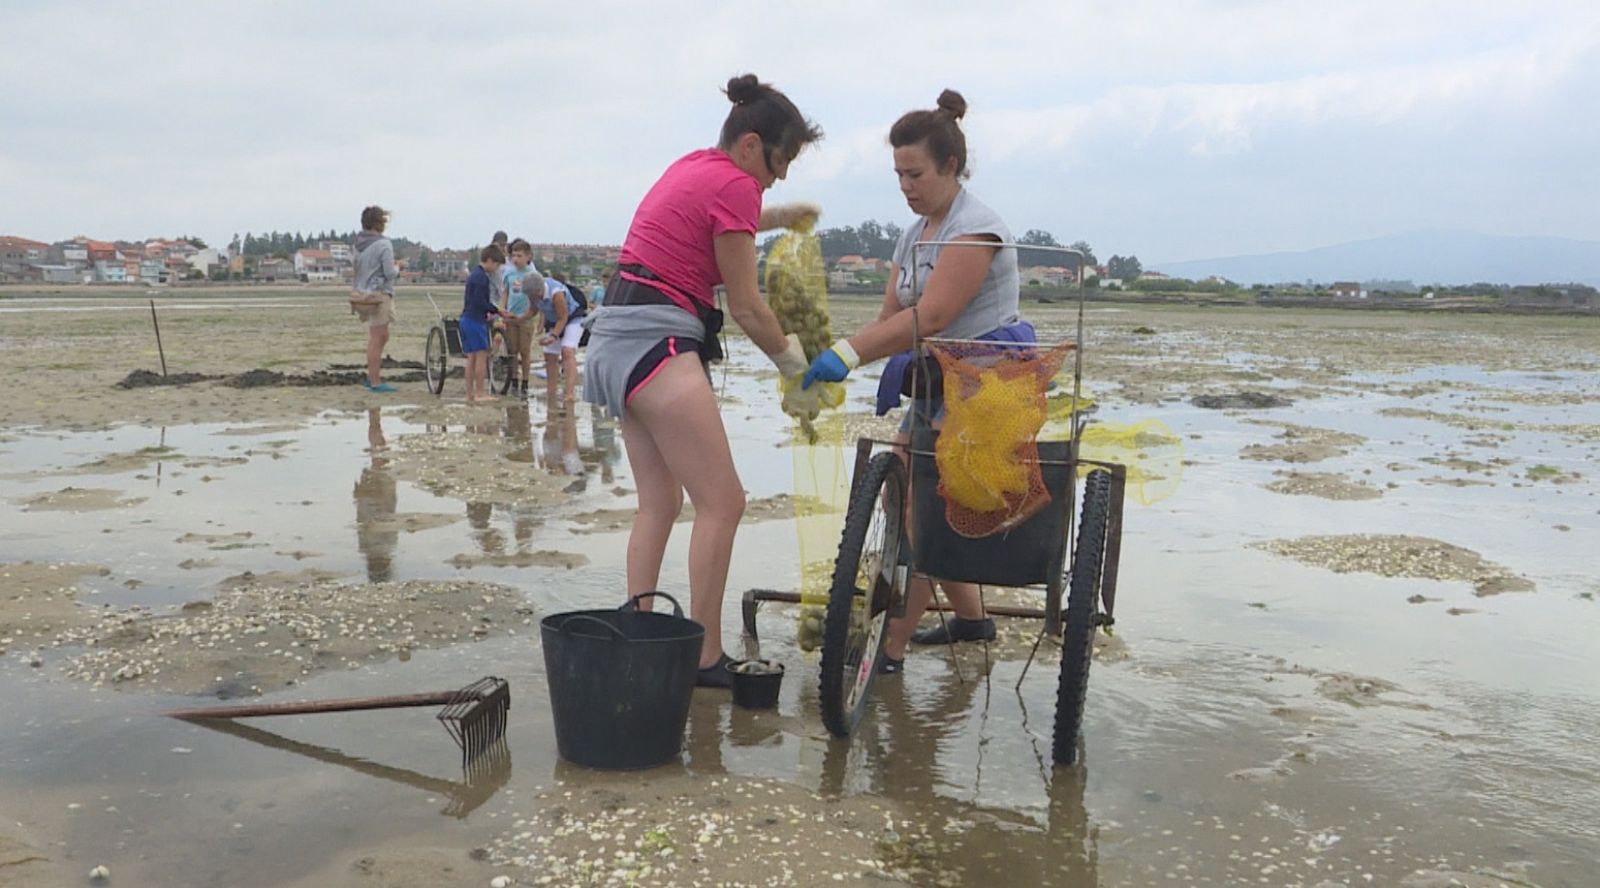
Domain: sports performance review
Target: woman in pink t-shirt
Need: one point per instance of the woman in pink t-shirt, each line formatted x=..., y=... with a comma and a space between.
x=650, y=341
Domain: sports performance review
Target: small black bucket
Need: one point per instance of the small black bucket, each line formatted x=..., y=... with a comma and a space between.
x=1026, y=555
x=756, y=689
x=620, y=683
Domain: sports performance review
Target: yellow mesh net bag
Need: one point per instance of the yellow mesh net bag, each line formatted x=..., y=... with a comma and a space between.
x=1148, y=449
x=987, y=450
x=821, y=492
x=1151, y=452
x=797, y=292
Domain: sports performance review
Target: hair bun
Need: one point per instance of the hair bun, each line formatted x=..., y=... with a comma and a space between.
x=951, y=103
x=744, y=88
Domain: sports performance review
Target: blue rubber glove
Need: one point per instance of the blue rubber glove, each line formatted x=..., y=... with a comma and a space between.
x=832, y=365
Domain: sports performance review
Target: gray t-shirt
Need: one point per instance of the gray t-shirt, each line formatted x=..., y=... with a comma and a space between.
x=995, y=304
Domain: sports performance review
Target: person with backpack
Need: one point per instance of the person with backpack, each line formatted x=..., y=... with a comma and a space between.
x=563, y=325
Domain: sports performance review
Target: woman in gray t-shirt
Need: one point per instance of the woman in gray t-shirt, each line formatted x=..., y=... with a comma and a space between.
x=959, y=293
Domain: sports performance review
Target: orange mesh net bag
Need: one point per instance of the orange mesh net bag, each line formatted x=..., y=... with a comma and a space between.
x=987, y=450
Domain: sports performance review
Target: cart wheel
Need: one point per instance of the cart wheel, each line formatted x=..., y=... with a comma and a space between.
x=1082, y=602
x=434, y=358
x=857, y=623
x=499, y=367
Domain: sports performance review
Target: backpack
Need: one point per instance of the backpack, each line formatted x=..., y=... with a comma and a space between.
x=579, y=297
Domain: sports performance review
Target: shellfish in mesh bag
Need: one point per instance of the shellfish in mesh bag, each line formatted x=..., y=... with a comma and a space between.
x=797, y=292
x=987, y=449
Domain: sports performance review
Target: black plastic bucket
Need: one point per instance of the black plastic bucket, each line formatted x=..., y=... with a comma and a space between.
x=1026, y=555
x=756, y=690
x=620, y=683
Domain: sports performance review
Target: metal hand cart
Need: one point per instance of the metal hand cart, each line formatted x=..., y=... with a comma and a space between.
x=895, y=484
x=444, y=342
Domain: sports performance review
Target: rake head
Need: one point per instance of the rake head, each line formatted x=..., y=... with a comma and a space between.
x=475, y=716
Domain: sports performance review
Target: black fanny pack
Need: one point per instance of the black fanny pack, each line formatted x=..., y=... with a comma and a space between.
x=625, y=292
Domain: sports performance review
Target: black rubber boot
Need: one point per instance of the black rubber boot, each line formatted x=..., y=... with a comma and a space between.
x=716, y=675
x=956, y=629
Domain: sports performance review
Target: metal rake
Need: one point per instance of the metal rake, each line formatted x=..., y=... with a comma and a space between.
x=475, y=716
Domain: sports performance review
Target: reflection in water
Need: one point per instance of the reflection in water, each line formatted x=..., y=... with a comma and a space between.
x=606, y=447
x=561, y=455
x=480, y=779
x=916, y=750
x=375, y=496
x=161, y=446
x=519, y=422
x=896, y=753
x=490, y=540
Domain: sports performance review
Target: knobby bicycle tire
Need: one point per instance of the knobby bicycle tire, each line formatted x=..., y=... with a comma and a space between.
x=434, y=357
x=1083, y=595
x=499, y=368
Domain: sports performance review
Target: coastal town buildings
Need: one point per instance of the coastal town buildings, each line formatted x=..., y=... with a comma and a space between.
x=316, y=266
x=84, y=260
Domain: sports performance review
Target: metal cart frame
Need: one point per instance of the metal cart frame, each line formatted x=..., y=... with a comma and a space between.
x=444, y=342
x=890, y=486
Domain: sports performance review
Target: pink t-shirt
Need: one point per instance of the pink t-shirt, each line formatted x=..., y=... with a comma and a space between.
x=702, y=195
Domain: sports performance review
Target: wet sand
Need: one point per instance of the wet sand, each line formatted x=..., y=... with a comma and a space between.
x=1281, y=626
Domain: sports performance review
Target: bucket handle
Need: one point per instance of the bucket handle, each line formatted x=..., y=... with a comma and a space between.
x=595, y=620
x=633, y=603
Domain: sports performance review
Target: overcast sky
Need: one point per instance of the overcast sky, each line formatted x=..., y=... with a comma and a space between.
x=1172, y=130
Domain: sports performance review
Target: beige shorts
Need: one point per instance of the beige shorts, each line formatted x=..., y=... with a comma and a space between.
x=373, y=309
x=519, y=337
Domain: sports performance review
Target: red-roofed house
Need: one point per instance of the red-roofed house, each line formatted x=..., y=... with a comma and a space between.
x=315, y=265
x=1048, y=275
x=100, y=251
x=20, y=249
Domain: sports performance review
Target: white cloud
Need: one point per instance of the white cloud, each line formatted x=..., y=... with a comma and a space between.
x=553, y=120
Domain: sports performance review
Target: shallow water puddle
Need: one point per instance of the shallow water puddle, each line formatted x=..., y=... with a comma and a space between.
x=1259, y=720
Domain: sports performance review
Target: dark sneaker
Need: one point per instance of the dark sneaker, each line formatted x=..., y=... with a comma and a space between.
x=716, y=675
x=890, y=666
x=956, y=629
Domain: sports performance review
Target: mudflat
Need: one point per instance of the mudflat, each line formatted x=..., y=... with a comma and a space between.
x=1353, y=581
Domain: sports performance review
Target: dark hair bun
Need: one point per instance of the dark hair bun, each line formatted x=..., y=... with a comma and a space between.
x=951, y=103
x=744, y=88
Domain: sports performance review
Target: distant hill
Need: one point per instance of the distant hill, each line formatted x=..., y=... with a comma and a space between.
x=1423, y=257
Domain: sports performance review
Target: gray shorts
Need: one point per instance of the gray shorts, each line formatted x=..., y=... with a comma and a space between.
x=619, y=338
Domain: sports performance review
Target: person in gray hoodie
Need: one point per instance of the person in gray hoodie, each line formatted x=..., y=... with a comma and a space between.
x=372, y=297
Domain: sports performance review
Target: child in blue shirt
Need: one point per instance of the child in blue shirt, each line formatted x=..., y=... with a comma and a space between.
x=518, y=307
x=477, y=308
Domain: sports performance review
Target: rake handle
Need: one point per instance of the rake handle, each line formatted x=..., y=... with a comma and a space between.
x=347, y=704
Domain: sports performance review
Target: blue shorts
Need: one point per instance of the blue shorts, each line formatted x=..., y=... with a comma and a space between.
x=474, y=334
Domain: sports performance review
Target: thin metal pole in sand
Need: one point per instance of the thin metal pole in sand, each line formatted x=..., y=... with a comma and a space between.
x=159, y=349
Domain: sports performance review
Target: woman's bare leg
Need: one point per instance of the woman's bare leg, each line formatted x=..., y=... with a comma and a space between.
x=678, y=411
x=377, y=338
x=660, y=501
x=964, y=597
